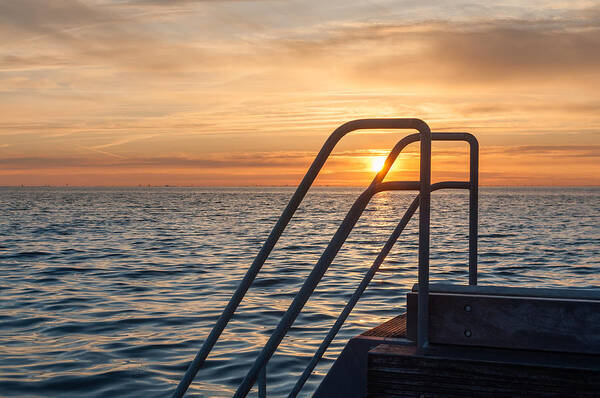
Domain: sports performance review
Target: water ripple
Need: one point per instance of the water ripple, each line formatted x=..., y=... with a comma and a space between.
x=110, y=291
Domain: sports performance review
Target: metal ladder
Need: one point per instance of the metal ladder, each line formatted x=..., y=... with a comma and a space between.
x=422, y=201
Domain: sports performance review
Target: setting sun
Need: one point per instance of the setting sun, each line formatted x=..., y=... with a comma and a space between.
x=377, y=163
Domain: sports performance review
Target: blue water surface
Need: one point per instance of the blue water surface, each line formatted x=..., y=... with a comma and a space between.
x=111, y=291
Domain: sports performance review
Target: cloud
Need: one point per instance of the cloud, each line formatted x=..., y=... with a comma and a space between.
x=563, y=106
x=484, y=52
x=10, y=62
x=70, y=33
x=234, y=160
x=170, y=3
x=554, y=151
x=53, y=18
x=125, y=140
x=448, y=53
x=150, y=81
x=283, y=160
x=223, y=161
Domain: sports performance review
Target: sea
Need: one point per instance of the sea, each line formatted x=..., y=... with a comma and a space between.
x=111, y=291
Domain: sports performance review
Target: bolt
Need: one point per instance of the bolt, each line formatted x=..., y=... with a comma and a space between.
x=468, y=308
x=468, y=332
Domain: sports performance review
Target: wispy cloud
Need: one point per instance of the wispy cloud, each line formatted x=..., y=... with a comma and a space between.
x=231, y=161
x=553, y=151
x=484, y=52
x=235, y=86
x=76, y=34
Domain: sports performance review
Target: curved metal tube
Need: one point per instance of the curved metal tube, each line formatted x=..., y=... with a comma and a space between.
x=365, y=282
x=472, y=186
x=473, y=193
x=354, y=299
x=282, y=222
x=315, y=276
x=340, y=236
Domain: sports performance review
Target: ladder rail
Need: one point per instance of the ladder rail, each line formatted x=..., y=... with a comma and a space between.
x=315, y=276
x=424, y=188
x=424, y=224
x=339, y=238
x=473, y=193
x=472, y=186
x=288, y=212
x=365, y=283
x=355, y=297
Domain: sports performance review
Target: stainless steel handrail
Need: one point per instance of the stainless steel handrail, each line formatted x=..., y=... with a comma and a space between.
x=365, y=283
x=473, y=193
x=423, y=201
x=315, y=276
x=338, y=240
x=355, y=297
x=291, y=208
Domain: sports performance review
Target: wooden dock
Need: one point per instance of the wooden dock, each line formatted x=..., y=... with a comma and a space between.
x=485, y=342
x=400, y=370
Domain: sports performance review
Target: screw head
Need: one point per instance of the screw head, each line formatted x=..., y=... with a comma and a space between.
x=468, y=332
x=468, y=308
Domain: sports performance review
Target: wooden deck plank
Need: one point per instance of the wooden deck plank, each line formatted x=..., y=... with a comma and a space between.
x=400, y=370
x=395, y=327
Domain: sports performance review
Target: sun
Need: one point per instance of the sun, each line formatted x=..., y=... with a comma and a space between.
x=377, y=163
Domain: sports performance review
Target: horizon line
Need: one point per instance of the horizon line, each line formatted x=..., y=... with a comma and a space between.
x=274, y=186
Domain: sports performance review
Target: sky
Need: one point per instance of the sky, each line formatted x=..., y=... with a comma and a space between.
x=240, y=93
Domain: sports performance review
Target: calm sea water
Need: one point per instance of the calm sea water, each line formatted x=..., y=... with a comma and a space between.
x=110, y=291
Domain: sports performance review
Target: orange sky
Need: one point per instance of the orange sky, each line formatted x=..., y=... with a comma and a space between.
x=245, y=92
